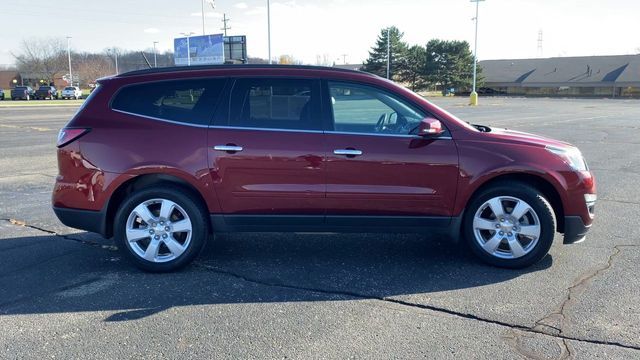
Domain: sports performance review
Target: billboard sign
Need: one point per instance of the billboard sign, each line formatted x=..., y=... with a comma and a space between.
x=203, y=50
x=235, y=49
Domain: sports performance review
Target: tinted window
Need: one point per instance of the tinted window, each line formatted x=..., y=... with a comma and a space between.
x=188, y=101
x=274, y=104
x=365, y=109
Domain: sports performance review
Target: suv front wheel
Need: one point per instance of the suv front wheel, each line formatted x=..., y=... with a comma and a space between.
x=161, y=229
x=509, y=225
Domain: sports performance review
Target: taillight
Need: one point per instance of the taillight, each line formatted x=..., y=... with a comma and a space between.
x=67, y=135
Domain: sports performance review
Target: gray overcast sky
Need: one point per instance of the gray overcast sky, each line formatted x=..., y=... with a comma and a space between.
x=305, y=29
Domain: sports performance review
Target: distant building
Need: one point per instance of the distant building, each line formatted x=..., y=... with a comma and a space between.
x=357, y=67
x=7, y=78
x=586, y=76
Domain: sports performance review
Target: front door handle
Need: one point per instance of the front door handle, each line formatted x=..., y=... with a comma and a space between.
x=348, y=152
x=228, y=148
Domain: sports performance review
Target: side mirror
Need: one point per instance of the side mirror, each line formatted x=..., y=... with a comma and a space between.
x=430, y=127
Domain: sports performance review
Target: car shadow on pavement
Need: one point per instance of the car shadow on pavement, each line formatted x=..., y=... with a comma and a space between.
x=49, y=274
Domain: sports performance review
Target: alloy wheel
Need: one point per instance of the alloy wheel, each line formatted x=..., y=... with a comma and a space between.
x=506, y=227
x=158, y=230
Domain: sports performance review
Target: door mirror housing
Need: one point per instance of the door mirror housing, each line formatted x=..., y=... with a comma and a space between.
x=430, y=127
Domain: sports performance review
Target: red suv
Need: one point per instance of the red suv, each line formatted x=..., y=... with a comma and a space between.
x=162, y=158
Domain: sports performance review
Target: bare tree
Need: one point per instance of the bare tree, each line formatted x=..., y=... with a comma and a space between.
x=44, y=57
x=91, y=67
x=323, y=60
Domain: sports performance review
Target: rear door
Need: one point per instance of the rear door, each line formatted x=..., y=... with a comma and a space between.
x=378, y=172
x=266, y=153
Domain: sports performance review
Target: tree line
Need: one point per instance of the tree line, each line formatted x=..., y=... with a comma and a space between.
x=46, y=60
x=440, y=64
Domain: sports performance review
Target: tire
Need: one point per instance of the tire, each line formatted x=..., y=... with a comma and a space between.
x=514, y=242
x=165, y=246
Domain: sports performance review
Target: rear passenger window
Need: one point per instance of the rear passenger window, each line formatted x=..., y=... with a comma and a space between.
x=274, y=104
x=187, y=101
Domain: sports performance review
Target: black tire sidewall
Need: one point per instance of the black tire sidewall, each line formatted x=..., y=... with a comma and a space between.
x=191, y=205
x=537, y=202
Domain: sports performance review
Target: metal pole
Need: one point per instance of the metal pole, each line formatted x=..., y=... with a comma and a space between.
x=203, y=31
x=269, y=27
x=155, y=55
x=473, y=100
x=69, y=56
x=116, y=54
x=188, y=51
x=475, y=49
x=388, y=53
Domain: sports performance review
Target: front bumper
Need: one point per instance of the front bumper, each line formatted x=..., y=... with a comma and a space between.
x=575, y=230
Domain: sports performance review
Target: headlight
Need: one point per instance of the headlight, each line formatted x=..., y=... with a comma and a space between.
x=570, y=155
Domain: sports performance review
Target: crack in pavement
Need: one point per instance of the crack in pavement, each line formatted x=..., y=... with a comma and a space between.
x=620, y=201
x=539, y=328
x=438, y=309
x=554, y=323
x=556, y=319
x=62, y=236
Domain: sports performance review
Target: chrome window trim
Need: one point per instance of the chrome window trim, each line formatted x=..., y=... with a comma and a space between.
x=323, y=132
x=265, y=129
x=388, y=135
x=160, y=119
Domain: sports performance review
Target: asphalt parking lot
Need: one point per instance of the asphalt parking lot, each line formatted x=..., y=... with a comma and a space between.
x=68, y=294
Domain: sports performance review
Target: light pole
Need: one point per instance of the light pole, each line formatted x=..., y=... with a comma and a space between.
x=213, y=6
x=269, y=28
x=155, y=55
x=188, y=46
x=388, y=52
x=69, y=56
x=115, y=55
x=474, y=95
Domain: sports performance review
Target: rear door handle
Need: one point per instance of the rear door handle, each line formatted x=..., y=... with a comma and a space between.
x=348, y=152
x=228, y=148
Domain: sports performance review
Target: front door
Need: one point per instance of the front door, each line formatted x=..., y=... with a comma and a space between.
x=266, y=156
x=378, y=173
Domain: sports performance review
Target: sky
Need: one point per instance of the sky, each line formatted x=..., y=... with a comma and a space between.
x=307, y=29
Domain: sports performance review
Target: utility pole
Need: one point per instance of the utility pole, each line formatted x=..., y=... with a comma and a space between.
x=69, y=56
x=540, y=53
x=155, y=55
x=269, y=27
x=344, y=58
x=474, y=95
x=225, y=27
x=388, y=53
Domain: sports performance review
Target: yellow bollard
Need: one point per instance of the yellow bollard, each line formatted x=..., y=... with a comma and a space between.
x=473, y=99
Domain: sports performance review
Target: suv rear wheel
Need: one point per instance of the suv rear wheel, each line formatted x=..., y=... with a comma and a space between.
x=509, y=225
x=161, y=229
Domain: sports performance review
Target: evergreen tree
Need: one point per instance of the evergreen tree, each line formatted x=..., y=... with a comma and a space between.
x=377, y=61
x=450, y=64
x=414, y=73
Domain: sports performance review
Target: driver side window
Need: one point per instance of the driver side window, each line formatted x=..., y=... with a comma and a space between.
x=364, y=109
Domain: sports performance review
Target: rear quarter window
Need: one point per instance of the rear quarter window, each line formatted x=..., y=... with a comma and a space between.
x=186, y=101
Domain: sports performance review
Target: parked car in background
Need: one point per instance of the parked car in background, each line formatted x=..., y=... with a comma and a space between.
x=162, y=158
x=1, y=94
x=22, y=93
x=71, y=92
x=46, y=92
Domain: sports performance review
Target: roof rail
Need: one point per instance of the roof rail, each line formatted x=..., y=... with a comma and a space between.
x=169, y=69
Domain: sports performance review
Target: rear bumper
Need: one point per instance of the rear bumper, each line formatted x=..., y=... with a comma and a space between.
x=93, y=221
x=574, y=229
